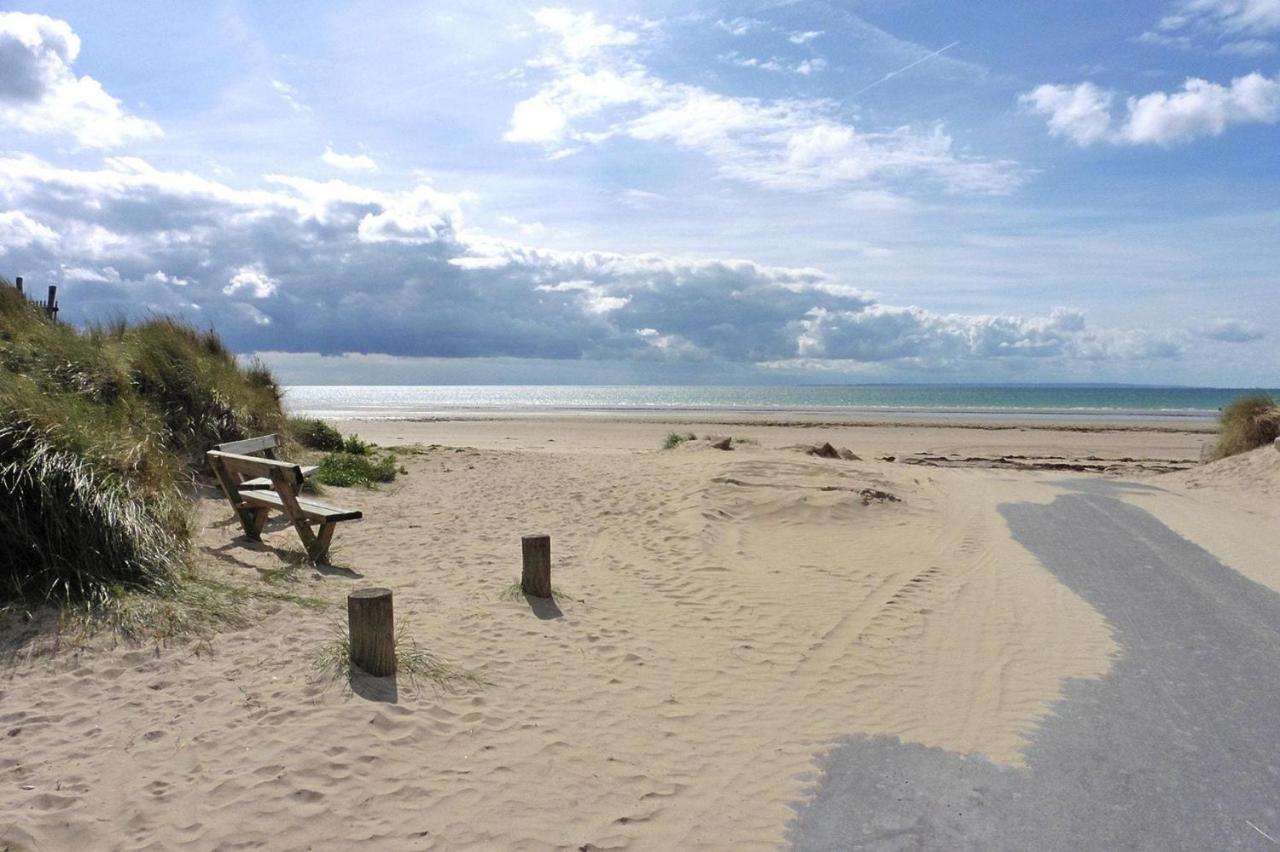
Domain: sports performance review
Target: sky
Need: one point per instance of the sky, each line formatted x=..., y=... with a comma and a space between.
x=683, y=192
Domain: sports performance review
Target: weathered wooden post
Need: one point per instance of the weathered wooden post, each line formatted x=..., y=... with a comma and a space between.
x=373, y=632
x=51, y=307
x=536, y=577
x=17, y=282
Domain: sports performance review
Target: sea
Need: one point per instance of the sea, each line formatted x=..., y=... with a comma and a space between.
x=953, y=402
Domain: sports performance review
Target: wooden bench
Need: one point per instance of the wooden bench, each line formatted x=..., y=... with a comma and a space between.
x=253, y=505
x=265, y=446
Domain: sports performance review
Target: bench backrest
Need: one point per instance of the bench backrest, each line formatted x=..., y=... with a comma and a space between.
x=264, y=444
x=230, y=467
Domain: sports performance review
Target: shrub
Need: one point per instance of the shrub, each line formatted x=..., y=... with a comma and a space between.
x=1247, y=423
x=315, y=434
x=347, y=469
x=354, y=446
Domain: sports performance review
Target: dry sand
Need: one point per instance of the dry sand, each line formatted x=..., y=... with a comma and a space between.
x=723, y=618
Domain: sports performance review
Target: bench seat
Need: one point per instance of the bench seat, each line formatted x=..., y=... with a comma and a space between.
x=310, y=509
x=265, y=481
x=282, y=480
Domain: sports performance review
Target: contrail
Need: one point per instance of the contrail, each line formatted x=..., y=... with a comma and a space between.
x=892, y=74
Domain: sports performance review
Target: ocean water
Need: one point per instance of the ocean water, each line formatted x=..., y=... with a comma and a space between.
x=950, y=401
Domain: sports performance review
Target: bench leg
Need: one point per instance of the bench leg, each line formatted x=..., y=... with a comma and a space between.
x=258, y=520
x=319, y=548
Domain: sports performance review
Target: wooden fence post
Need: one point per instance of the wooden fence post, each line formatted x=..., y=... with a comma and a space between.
x=536, y=577
x=18, y=283
x=51, y=307
x=373, y=633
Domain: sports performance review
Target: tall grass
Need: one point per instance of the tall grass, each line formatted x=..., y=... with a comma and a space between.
x=1248, y=423
x=99, y=433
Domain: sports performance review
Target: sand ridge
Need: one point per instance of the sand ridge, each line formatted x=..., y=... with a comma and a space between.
x=724, y=618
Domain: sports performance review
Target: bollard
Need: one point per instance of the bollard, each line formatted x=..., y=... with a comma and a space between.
x=536, y=578
x=373, y=633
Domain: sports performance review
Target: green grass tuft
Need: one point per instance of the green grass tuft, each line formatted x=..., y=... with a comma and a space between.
x=675, y=439
x=414, y=663
x=1246, y=424
x=347, y=469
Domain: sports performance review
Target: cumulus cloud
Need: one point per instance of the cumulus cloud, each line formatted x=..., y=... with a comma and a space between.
x=598, y=90
x=250, y=281
x=330, y=266
x=1083, y=113
x=40, y=93
x=348, y=162
x=1231, y=27
x=18, y=230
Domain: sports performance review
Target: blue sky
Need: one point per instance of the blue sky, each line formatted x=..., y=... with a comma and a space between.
x=508, y=192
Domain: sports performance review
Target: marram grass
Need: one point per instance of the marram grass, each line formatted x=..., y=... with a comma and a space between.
x=101, y=431
x=1246, y=424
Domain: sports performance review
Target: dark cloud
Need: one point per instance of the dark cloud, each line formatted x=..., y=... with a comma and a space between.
x=305, y=266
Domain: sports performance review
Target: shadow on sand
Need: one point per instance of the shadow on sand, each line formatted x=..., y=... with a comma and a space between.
x=381, y=689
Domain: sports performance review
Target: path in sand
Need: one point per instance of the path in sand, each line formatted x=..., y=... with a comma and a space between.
x=1177, y=748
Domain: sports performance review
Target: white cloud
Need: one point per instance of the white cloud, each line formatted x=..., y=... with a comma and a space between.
x=348, y=162
x=804, y=67
x=289, y=95
x=581, y=35
x=738, y=26
x=1083, y=113
x=804, y=37
x=40, y=93
x=253, y=281
x=595, y=96
x=18, y=230
x=1231, y=27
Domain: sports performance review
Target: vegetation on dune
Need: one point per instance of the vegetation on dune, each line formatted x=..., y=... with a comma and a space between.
x=675, y=439
x=346, y=469
x=315, y=434
x=99, y=433
x=1248, y=423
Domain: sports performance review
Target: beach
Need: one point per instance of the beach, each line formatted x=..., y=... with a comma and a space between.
x=723, y=619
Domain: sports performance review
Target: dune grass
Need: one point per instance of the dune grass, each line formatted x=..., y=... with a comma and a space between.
x=315, y=434
x=413, y=663
x=675, y=439
x=1246, y=424
x=100, y=433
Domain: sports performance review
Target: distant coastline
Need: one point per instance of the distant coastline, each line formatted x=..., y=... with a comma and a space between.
x=1058, y=403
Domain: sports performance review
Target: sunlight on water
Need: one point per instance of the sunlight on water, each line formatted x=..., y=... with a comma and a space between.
x=350, y=401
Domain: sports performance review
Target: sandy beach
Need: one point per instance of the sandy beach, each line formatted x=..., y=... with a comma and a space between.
x=722, y=620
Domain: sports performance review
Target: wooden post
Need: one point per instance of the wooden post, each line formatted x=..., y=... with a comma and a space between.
x=373, y=632
x=18, y=283
x=536, y=578
x=51, y=307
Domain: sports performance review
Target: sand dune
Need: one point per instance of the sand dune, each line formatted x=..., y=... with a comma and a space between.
x=723, y=619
